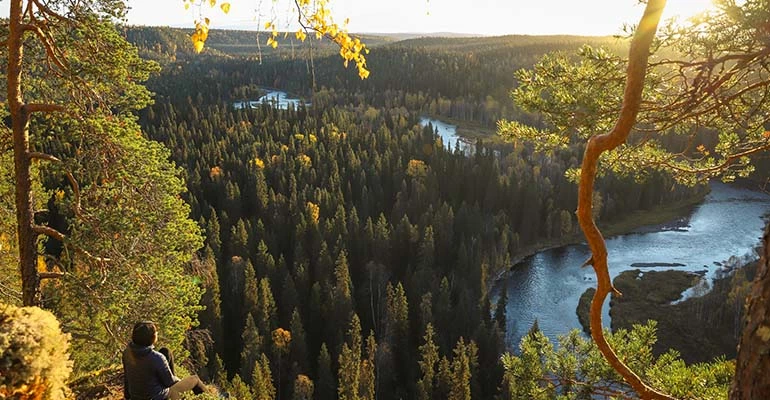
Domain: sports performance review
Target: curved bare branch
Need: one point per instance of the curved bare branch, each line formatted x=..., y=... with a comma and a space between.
x=48, y=231
x=632, y=97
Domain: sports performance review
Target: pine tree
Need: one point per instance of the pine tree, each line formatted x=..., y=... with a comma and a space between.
x=219, y=372
x=460, y=388
x=266, y=309
x=298, y=355
x=367, y=389
x=239, y=240
x=213, y=238
x=424, y=273
x=326, y=387
x=500, y=310
x=343, y=289
x=429, y=359
x=350, y=362
x=426, y=310
x=251, y=348
x=250, y=292
x=262, y=380
x=397, y=328
x=211, y=317
x=238, y=389
x=289, y=300
x=265, y=262
x=382, y=241
x=261, y=188
x=444, y=379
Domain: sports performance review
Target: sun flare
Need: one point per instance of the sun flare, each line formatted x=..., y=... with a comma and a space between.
x=684, y=9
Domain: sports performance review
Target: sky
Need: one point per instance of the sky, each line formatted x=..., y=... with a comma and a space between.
x=485, y=17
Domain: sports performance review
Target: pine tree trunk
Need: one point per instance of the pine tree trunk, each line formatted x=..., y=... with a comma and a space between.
x=752, y=369
x=21, y=160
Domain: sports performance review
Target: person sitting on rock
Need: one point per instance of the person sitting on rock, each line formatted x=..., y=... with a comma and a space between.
x=149, y=374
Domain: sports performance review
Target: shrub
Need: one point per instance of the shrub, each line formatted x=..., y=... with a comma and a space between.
x=34, y=363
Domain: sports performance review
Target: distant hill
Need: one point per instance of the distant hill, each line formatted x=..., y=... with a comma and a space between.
x=416, y=35
x=495, y=43
x=168, y=42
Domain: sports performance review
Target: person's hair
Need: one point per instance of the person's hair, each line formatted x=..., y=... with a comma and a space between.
x=144, y=333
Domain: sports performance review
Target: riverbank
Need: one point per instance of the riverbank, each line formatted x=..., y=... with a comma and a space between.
x=670, y=215
x=470, y=131
x=700, y=328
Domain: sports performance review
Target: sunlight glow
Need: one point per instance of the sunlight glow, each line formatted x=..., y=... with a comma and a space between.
x=481, y=17
x=684, y=9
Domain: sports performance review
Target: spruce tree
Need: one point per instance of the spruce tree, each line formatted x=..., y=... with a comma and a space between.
x=250, y=292
x=460, y=387
x=326, y=388
x=298, y=354
x=429, y=359
x=500, y=310
x=367, y=384
x=349, y=372
x=251, y=348
x=262, y=386
x=266, y=318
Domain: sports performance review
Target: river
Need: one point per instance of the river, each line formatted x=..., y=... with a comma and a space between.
x=448, y=134
x=277, y=98
x=546, y=286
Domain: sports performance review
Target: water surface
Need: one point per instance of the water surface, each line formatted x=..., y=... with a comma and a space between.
x=448, y=134
x=547, y=285
x=277, y=98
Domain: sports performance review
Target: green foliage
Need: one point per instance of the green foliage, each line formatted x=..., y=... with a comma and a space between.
x=203, y=396
x=34, y=360
x=262, y=387
x=700, y=115
x=127, y=235
x=325, y=387
x=428, y=360
x=148, y=238
x=577, y=370
x=10, y=278
x=303, y=388
x=349, y=372
x=322, y=201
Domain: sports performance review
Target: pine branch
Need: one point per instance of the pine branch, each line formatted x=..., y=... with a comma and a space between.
x=70, y=177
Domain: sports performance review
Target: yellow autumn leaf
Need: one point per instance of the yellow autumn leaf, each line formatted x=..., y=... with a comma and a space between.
x=301, y=35
x=212, y=2
x=186, y=6
x=198, y=44
x=225, y=7
x=41, y=264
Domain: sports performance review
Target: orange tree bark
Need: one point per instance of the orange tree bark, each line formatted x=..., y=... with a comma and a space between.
x=632, y=97
x=21, y=159
x=752, y=368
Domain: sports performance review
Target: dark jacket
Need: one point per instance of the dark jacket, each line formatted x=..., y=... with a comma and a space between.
x=146, y=374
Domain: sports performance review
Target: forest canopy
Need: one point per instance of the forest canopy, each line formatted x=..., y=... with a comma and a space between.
x=336, y=248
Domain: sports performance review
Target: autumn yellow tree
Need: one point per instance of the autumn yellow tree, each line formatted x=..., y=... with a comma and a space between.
x=314, y=19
